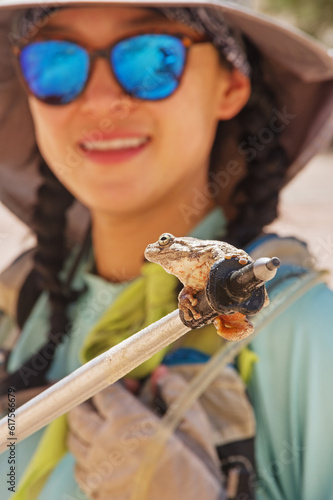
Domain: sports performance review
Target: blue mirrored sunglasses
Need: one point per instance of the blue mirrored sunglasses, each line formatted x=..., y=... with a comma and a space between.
x=147, y=66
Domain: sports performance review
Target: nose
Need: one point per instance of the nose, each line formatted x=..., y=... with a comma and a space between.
x=103, y=93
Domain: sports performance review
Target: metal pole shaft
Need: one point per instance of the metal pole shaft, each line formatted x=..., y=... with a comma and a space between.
x=93, y=377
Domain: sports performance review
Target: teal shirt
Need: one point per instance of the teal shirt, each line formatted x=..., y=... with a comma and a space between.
x=291, y=392
x=290, y=389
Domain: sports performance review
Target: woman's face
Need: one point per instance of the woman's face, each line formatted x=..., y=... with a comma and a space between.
x=175, y=134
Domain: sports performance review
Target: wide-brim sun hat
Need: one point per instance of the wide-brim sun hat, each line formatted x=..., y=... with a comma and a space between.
x=300, y=67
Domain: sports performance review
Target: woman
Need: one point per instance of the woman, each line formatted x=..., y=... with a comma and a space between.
x=160, y=119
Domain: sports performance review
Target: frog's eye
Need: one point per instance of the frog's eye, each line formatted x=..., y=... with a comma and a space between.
x=165, y=239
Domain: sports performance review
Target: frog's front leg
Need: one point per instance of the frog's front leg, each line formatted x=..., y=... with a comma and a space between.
x=187, y=303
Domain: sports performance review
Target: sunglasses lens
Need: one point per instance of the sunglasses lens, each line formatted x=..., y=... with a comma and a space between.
x=149, y=66
x=55, y=71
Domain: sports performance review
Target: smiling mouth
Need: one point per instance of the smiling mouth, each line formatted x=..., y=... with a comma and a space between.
x=118, y=144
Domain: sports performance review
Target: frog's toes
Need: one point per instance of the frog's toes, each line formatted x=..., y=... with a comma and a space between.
x=243, y=260
x=229, y=256
x=193, y=300
x=187, y=303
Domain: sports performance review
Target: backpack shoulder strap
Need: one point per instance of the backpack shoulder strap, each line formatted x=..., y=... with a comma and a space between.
x=290, y=250
x=283, y=290
x=11, y=281
x=296, y=262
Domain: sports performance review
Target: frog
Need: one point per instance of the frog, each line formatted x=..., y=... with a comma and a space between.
x=191, y=259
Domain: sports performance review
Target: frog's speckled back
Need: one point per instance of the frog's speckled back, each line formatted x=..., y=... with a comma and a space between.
x=186, y=252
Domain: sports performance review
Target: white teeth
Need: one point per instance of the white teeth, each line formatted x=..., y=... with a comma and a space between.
x=115, y=144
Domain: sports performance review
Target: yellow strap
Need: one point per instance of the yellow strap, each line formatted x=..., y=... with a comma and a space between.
x=51, y=448
x=148, y=299
x=245, y=364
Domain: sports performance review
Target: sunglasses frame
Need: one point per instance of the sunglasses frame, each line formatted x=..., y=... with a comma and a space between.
x=105, y=53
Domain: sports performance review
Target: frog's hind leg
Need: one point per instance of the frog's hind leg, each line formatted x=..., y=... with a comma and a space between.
x=233, y=326
x=187, y=303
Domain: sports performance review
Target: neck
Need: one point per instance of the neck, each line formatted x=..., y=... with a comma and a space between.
x=119, y=241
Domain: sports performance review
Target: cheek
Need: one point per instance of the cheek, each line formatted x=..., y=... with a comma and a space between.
x=51, y=128
x=190, y=120
x=197, y=101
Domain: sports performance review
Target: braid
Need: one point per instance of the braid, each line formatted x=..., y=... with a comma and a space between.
x=256, y=196
x=49, y=220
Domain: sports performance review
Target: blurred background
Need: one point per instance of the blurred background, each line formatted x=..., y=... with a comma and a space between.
x=313, y=16
x=306, y=208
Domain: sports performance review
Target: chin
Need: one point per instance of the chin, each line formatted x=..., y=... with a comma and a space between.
x=114, y=206
x=127, y=198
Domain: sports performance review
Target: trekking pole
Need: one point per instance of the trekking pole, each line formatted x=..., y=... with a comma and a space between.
x=121, y=359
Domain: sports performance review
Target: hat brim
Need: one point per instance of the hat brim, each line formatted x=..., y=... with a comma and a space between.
x=301, y=71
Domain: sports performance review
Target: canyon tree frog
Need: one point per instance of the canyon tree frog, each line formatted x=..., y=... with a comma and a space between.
x=190, y=259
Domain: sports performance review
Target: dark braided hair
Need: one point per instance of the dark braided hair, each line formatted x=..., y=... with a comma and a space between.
x=255, y=198
x=49, y=221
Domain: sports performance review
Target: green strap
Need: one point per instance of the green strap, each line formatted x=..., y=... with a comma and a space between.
x=148, y=299
x=51, y=449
